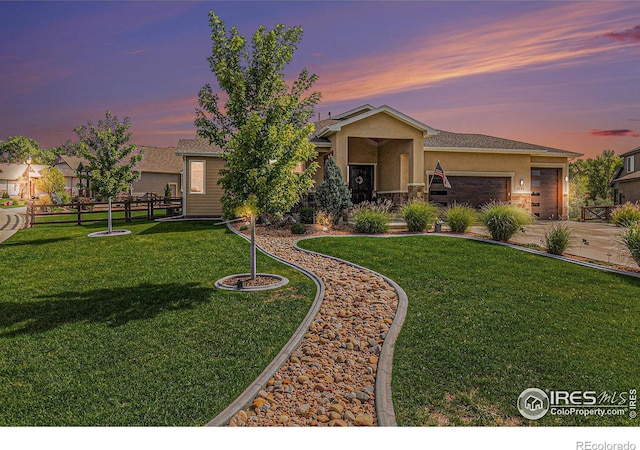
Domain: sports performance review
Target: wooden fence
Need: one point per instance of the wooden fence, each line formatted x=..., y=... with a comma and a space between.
x=127, y=209
x=599, y=213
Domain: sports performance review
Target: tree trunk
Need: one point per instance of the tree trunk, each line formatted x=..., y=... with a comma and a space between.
x=253, y=247
x=109, y=228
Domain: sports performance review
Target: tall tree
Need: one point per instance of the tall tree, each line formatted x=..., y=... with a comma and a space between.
x=593, y=176
x=17, y=149
x=263, y=125
x=111, y=159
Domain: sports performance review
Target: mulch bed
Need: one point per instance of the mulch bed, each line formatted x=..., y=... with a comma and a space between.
x=260, y=280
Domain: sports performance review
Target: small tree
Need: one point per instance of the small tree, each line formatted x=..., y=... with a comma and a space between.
x=52, y=180
x=105, y=147
x=264, y=126
x=332, y=196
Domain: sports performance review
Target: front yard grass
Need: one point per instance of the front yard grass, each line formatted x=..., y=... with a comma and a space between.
x=128, y=330
x=486, y=322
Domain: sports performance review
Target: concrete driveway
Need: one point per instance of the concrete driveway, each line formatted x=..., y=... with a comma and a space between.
x=10, y=222
x=597, y=241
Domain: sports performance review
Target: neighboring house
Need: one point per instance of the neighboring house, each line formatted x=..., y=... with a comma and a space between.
x=71, y=167
x=384, y=153
x=159, y=166
x=626, y=183
x=201, y=164
x=18, y=180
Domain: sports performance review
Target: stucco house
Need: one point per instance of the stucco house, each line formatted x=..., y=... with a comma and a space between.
x=384, y=153
x=626, y=183
x=18, y=180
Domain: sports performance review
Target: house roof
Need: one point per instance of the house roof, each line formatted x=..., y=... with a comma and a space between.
x=12, y=171
x=629, y=177
x=449, y=140
x=197, y=146
x=365, y=111
x=160, y=160
x=631, y=152
x=68, y=164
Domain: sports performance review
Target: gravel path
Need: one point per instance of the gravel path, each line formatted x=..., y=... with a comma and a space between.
x=329, y=380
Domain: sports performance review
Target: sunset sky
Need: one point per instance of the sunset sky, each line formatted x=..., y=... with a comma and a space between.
x=559, y=74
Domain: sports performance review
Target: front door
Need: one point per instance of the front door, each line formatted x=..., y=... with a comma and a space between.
x=361, y=183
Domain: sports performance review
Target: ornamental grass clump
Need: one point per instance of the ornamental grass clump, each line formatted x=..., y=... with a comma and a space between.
x=372, y=218
x=460, y=217
x=558, y=238
x=631, y=239
x=419, y=215
x=626, y=215
x=504, y=220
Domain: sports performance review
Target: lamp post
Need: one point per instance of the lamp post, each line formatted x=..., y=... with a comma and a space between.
x=29, y=178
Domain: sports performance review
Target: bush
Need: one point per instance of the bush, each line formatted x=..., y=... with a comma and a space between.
x=372, y=218
x=332, y=196
x=558, y=238
x=15, y=200
x=306, y=214
x=5, y=194
x=631, y=239
x=503, y=220
x=298, y=228
x=626, y=215
x=460, y=217
x=418, y=215
x=65, y=198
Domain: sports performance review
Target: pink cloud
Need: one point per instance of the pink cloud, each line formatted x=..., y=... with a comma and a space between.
x=614, y=133
x=564, y=36
x=632, y=35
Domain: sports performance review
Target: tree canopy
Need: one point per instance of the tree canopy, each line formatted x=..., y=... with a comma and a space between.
x=17, y=149
x=52, y=180
x=592, y=177
x=111, y=159
x=262, y=124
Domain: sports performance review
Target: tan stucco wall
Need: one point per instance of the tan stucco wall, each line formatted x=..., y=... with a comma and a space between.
x=483, y=164
x=362, y=151
x=380, y=126
x=389, y=165
x=207, y=204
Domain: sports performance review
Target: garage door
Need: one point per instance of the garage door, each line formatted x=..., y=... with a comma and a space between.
x=475, y=191
x=545, y=193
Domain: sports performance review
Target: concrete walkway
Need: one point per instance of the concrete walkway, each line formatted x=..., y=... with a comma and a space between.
x=11, y=221
x=595, y=241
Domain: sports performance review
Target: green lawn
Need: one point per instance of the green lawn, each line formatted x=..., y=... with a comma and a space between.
x=486, y=322
x=128, y=330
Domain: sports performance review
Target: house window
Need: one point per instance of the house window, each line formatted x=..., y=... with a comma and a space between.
x=196, y=177
x=630, y=162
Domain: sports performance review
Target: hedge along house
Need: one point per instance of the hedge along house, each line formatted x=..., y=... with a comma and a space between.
x=384, y=153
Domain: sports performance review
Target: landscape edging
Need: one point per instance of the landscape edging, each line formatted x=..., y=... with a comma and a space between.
x=245, y=399
x=384, y=397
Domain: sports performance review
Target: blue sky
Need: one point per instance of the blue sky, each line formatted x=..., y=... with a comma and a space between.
x=560, y=74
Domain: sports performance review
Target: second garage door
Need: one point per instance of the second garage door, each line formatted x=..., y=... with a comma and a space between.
x=475, y=191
